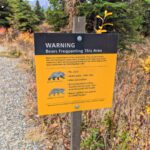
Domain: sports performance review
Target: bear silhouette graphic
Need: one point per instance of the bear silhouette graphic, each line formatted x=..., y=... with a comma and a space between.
x=57, y=75
x=56, y=91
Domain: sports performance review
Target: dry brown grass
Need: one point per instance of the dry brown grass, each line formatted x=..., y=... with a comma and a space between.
x=126, y=126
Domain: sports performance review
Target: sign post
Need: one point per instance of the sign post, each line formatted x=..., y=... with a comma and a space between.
x=76, y=117
x=75, y=72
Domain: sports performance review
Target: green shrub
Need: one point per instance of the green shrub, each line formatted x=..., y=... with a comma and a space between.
x=127, y=18
x=38, y=10
x=57, y=18
x=56, y=15
x=146, y=20
x=4, y=13
x=94, y=141
x=23, y=17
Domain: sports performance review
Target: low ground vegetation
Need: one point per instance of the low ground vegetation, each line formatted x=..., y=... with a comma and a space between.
x=125, y=126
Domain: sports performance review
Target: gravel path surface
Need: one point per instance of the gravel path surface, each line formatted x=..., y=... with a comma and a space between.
x=13, y=88
x=2, y=48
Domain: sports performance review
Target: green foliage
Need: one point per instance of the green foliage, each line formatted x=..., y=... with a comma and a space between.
x=108, y=122
x=56, y=15
x=147, y=1
x=39, y=11
x=108, y=134
x=94, y=141
x=4, y=13
x=146, y=21
x=127, y=18
x=113, y=132
x=23, y=17
x=11, y=54
x=124, y=140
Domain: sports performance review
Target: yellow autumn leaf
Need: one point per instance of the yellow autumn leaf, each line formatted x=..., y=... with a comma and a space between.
x=148, y=110
x=108, y=24
x=100, y=27
x=101, y=31
x=107, y=13
x=98, y=32
x=147, y=69
x=98, y=16
x=146, y=64
x=147, y=61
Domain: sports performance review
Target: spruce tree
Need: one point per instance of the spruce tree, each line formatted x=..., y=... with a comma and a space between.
x=146, y=19
x=39, y=11
x=127, y=18
x=4, y=13
x=56, y=15
x=23, y=17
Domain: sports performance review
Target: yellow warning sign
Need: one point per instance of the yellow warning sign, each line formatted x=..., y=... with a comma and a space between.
x=73, y=73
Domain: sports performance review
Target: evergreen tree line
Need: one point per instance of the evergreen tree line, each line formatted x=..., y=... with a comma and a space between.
x=131, y=18
x=19, y=15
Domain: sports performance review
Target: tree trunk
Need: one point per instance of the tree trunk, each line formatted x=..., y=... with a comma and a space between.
x=70, y=8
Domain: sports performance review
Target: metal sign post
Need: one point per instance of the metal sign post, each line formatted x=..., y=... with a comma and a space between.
x=76, y=117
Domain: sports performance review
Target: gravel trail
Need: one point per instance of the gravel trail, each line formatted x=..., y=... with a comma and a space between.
x=2, y=48
x=13, y=89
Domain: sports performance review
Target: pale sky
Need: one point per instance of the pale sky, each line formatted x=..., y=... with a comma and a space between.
x=44, y=3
